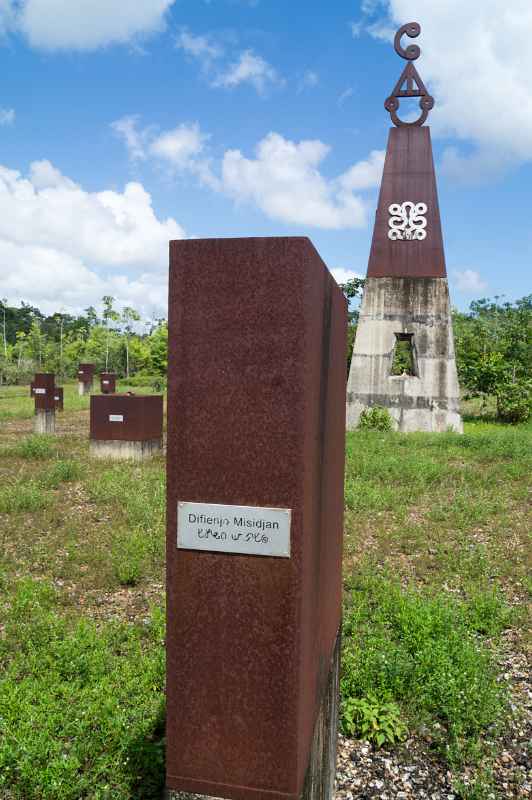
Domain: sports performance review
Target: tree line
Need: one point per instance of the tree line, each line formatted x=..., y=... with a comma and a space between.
x=493, y=344
x=115, y=341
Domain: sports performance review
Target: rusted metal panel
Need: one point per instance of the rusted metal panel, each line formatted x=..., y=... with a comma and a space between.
x=86, y=373
x=59, y=398
x=43, y=391
x=126, y=417
x=408, y=176
x=107, y=382
x=256, y=417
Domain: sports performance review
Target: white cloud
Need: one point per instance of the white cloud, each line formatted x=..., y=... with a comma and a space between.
x=203, y=48
x=249, y=68
x=180, y=150
x=62, y=245
x=84, y=24
x=309, y=80
x=469, y=281
x=7, y=116
x=477, y=57
x=349, y=92
x=342, y=275
x=284, y=181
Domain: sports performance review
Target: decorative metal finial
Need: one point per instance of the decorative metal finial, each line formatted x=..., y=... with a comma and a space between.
x=410, y=83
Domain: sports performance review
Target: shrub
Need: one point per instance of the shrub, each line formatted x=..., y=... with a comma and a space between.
x=514, y=402
x=375, y=418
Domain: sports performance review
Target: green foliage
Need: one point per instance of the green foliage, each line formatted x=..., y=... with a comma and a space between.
x=403, y=358
x=514, y=401
x=372, y=719
x=61, y=472
x=22, y=496
x=375, y=418
x=82, y=706
x=494, y=354
x=422, y=652
x=37, y=447
x=57, y=343
x=128, y=557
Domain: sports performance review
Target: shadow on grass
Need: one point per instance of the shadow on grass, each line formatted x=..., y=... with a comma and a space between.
x=146, y=759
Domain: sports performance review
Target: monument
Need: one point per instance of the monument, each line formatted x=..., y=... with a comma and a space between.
x=403, y=356
x=256, y=446
x=85, y=378
x=107, y=382
x=44, y=393
x=124, y=426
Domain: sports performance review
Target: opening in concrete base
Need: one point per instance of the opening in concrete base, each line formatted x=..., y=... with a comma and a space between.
x=44, y=421
x=320, y=777
x=119, y=450
x=84, y=388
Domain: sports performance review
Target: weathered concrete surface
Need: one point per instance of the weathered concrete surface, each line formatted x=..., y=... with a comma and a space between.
x=120, y=450
x=84, y=388
x=44, y=421
x=428, y=401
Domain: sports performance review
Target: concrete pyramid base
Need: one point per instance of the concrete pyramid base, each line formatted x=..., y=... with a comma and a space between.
x=119, y=450
x=428, y=400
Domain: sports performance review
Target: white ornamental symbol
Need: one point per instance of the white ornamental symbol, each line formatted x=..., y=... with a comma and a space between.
x=407, y=221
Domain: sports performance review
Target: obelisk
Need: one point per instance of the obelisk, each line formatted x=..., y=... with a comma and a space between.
x=403, y=356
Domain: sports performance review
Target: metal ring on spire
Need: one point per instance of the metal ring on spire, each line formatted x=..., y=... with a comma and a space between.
x=410, y=83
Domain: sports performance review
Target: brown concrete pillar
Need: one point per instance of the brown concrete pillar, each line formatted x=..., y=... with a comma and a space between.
x=43, y=392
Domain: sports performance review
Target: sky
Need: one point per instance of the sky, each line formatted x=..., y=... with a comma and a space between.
x=125, y=125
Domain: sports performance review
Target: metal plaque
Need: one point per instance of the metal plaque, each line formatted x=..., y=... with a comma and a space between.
x=105, y=382
x=116, y=417
x=249, y=530
x=39, y=391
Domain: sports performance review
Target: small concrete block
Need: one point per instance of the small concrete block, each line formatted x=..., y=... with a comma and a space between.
x=118, y=450
x=84, y=388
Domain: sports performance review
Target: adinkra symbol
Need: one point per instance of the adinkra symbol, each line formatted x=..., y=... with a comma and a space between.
x=407, y=221
x=410, y=83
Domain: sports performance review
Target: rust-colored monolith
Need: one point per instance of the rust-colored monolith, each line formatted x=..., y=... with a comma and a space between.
x=43, y=388
x=256, y=432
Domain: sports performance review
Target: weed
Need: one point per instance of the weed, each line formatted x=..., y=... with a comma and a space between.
x=61, y=472
x=37, y=447
x=373, y=719
x=376, y=418
x=23, y=496
x=128, y=557
x=423, y=652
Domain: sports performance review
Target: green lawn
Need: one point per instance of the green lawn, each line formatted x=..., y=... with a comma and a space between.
x=437, y=559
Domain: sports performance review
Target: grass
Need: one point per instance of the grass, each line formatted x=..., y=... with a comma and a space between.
x=426, y=654
x=436, y=568
x=82, y=713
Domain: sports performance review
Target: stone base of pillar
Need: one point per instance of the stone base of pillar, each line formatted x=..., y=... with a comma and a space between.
x=320, y=779
x=44, y=421
x=120, y=451
x=84, y=388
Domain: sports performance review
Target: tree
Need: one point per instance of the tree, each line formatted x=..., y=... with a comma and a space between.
x=353, y=290
x=109, y=315
x=129, y=315
x=4, y=305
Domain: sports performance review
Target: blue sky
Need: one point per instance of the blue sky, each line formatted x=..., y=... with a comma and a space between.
x=122, y=127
